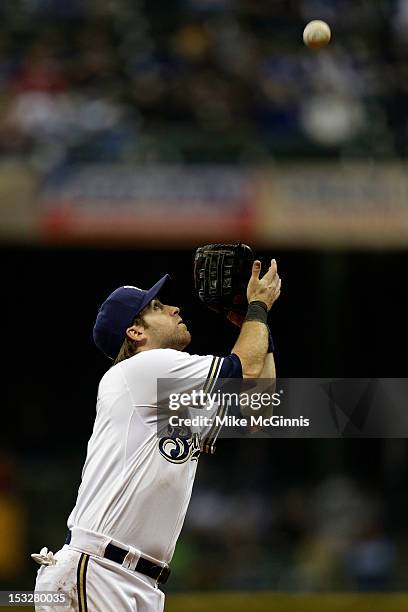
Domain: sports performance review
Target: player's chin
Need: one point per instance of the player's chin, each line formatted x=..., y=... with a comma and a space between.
x=187, y=337
x=184, y=337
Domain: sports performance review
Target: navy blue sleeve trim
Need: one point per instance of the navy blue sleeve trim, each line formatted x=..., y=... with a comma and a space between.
x=231, y=367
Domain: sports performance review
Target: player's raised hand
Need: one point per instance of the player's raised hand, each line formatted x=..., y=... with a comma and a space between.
x=265, y=289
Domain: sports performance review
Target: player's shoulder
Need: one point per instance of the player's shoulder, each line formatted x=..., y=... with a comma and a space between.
x=161, y=360
x=152, y=358
x=154, y=355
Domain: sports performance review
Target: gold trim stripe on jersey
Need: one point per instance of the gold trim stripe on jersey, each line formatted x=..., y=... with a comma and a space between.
x=209, y=440
x=81, y=582
x=213, y=373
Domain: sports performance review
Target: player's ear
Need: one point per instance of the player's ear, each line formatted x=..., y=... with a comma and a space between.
x=136, y=333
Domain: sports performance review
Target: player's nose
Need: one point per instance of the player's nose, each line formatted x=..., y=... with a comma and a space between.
x=174, y=310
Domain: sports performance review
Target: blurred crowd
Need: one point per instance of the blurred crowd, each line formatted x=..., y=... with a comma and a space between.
x=263, y=530
x=200, y=80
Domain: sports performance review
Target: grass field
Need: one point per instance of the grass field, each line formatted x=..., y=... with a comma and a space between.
x=275, y=602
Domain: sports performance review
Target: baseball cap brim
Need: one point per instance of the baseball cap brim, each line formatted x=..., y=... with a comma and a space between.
x=153, y=291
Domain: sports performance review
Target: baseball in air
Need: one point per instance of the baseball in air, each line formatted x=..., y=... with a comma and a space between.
x=317, y=34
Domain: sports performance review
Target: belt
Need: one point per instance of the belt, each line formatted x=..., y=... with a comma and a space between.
x=160, y=573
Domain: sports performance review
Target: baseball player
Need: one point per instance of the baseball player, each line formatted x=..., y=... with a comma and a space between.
x=136, y=487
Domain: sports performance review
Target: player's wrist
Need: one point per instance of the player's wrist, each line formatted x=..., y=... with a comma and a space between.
x=257, y=311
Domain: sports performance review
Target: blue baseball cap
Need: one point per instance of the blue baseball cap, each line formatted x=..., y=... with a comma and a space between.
x=117, y=313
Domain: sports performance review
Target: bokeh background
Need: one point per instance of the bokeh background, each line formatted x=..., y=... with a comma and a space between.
x=132, y=132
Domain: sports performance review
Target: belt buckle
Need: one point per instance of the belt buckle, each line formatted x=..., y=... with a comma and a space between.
x=163, y=575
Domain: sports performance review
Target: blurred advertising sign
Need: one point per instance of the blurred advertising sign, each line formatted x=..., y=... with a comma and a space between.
x=18, y=185
x=150, y=204
x=327, y=205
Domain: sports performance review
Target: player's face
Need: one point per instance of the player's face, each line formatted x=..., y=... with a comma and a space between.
x=165, y=326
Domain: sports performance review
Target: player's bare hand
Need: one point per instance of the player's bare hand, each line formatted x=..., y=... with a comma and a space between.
x=266, y=289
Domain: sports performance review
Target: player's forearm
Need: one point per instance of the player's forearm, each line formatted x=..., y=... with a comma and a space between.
x=251, y=348
x=269, y=369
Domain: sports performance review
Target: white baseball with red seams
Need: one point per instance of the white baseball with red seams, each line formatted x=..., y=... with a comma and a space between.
x=317, y=34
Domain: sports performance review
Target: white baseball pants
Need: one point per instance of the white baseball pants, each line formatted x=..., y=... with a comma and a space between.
x=95, y=584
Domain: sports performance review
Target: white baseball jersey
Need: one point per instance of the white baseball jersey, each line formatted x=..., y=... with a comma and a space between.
x=134, y=489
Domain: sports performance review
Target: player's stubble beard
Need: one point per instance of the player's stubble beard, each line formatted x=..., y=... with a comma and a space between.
x=181, y=339
x=177, y=339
